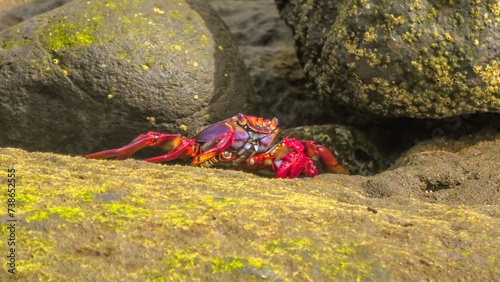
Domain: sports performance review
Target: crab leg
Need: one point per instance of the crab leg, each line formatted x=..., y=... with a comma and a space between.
x=186, y=147
x=166, y=142
x=189, y=147
x=326, y=157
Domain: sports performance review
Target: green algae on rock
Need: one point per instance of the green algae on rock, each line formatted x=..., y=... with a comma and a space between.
x=418, y=59
x=83, y=219
x=91, y=74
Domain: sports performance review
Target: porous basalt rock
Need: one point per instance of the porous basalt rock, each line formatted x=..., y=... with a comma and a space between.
x=420, y=59
x=93, y=74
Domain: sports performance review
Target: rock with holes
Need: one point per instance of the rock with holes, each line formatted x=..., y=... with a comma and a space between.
x=92, y=74
x=420, y=59
x=445, y=171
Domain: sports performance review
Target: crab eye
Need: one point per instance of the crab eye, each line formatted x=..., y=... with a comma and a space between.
x=156, y=137
x=274, y=123
x=226, y=155
x=241, y=119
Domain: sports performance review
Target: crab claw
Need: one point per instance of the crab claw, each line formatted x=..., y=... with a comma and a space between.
x=295, y=163
x=312, y=149
x=151, y=139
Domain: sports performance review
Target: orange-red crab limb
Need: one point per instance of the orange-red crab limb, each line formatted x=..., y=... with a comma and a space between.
x=176, y=145
x=240, y=140
x=291, y=158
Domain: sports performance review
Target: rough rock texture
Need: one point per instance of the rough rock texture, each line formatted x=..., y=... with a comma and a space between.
x=351, y=147
x=92, y=74
x=15, y=11
x=5, y=19
x=267, y=46
x=437, y=218
x=421, y=59
x=445, y=171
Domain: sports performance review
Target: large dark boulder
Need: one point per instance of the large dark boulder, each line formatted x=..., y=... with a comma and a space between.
x=94, y=74
x=420, y=59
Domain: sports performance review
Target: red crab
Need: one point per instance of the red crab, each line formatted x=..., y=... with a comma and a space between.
x=242, y=140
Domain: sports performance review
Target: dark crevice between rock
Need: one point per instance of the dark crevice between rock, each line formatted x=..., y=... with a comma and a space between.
x=394, y=137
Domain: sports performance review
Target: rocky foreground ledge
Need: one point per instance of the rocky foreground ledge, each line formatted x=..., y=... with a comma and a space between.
x=90, y=220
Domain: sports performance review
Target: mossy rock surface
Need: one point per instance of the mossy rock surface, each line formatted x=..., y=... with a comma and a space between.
x=83, y=220
x=91, y=74
x=421, y=59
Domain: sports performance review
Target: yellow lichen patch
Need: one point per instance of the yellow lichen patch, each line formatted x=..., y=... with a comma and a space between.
x=418, y=66
x=183, y=216
x=26, y=201
x=126, y=210
x=350, y=46
x=37, y=216
x=152, y=120
x=372, y=59
x=221, y=265
x=409, y=37
x=180, y=259
x=448, y=37
x=205, y=39
x=370, y=35
x=490, y=73
x=495, y=8
x=40, y=249
x=432, y=13
x=183, y=127
x=158, y=11
x=417, y=5
x=392, y=21
x=70, y=214
x=295, y=244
